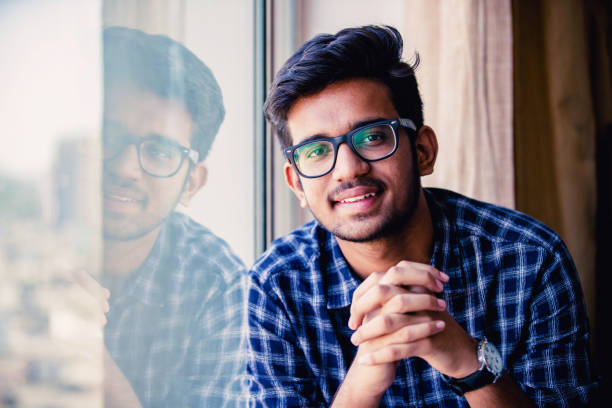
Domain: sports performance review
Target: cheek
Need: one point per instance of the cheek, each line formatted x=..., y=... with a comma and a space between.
x=315, y=193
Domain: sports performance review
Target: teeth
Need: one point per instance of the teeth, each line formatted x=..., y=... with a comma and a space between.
x=121, y=198
x=361, y=197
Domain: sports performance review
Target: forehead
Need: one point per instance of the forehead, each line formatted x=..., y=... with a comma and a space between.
x=143, y=113
x=337, y=109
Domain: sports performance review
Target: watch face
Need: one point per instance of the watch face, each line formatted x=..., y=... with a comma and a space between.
x=492, y=358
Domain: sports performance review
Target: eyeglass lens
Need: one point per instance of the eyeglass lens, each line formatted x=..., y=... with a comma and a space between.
x=371, y=143
x=157, y=157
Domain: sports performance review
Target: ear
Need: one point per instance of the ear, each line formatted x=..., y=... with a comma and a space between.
x=293, y=181
x=426, y=145
x=195, y=181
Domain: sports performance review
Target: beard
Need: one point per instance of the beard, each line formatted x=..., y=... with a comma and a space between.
x=122, y=227
x=392, y=223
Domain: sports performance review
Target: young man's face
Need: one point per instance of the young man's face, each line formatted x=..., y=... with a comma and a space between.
x=134, y=202
x=357, y=201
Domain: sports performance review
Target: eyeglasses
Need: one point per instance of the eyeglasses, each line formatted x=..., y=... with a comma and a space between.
x=372, y=142
x=157, y=156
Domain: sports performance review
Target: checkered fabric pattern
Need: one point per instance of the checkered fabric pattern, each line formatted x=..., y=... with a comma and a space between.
x=176, y=327
x=511, y=280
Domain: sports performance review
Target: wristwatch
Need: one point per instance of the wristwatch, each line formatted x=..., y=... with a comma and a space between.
x=491, y=368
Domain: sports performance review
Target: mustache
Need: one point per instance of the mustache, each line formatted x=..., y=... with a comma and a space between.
x=362, y=182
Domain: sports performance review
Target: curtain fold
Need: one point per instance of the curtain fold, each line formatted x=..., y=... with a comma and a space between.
x=562, y=109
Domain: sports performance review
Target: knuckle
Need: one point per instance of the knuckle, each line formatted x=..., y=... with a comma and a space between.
x=386, y=321
x=406, y=302
x=406, y=335
x=396, y=353
x=382, y=290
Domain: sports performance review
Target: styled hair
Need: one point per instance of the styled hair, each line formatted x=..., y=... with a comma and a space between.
x=166, y=68
x=369, y=52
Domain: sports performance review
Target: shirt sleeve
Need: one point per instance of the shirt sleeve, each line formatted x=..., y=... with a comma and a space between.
x=554, y=371
x=278, y=371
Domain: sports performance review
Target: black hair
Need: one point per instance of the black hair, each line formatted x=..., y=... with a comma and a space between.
x=370, y=52
x=168, y=69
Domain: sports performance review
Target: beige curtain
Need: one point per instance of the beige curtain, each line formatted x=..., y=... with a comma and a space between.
x=465, y=79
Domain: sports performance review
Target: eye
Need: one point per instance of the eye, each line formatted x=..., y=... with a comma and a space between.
x=371, y=137
x=314, y=151
x=159, y=151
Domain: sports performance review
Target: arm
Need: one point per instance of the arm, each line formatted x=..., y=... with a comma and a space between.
x=554, y=369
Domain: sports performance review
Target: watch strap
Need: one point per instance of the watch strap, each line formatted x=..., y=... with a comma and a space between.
x=472, y=382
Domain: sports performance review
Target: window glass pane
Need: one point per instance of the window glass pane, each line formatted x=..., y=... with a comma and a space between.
x=50, y=110
x=127, y=197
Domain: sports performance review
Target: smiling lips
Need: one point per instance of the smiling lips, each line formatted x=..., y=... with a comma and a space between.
x=122, y=200
x=357, y=198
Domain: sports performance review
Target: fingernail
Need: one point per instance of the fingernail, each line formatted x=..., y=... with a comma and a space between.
x=440, y=325
x=350, y=323
x=355, y=338
x=444, y=277
x=441, y=303
x=439, y=285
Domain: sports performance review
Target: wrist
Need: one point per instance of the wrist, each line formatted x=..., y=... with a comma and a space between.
x=467, y=363
x=489, y=371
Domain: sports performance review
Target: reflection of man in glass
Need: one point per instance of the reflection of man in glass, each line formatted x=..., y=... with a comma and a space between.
x=173, y=326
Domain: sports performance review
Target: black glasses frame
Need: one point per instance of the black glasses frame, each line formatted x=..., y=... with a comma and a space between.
x=348, y=139
x=137, y=141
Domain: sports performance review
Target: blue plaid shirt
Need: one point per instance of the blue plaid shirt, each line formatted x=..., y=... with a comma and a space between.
x=511, y=280
x=175, y=327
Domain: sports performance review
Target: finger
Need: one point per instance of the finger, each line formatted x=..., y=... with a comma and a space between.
x=100, y=293
x=408, y=275
x=426, y=267
x=385, y=324
x=409, y=344
x=394, y=338
x=413, y=302
x=379, y=326
x=361, y=290
x=367, y=284
x=371, y=300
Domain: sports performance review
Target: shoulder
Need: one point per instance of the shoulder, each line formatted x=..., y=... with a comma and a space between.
x=473, y=218
x=202, y=253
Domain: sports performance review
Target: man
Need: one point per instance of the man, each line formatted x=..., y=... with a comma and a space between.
x=175, y=305
x=398, y=295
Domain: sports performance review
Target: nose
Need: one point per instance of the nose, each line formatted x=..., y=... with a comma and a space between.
x=348, y=165
x=125, y=164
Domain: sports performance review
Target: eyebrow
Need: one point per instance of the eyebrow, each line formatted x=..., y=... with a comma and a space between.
x=154, y=136
x=353, y=126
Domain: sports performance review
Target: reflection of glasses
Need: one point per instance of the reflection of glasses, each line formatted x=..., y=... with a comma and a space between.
x=376, y=141
x=157, y=155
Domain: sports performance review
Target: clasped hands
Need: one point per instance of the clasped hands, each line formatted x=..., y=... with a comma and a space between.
x=396, y=315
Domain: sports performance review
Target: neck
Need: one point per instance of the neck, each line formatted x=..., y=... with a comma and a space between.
x=123, y=257
x=413, y=243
